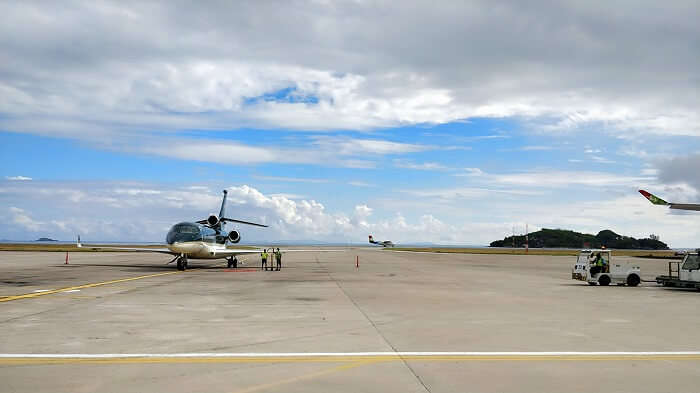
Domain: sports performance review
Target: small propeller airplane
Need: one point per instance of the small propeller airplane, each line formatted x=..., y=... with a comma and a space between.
x=204, y=239
x=658, y=201
x=385, y=243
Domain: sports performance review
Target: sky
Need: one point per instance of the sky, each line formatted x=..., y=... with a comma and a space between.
x=447, y=123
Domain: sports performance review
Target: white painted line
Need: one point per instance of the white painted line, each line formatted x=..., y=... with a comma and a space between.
x=41, y=290
x=71, y=291
x=334, y=354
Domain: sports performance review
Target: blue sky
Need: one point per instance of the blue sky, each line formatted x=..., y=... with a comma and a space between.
x=400, y=132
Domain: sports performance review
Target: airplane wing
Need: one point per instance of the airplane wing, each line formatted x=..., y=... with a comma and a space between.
x=224, y=219
x=159, y=250
x=658, y=201
x=243, y=222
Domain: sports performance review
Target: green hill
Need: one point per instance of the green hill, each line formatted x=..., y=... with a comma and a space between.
x=561, y=238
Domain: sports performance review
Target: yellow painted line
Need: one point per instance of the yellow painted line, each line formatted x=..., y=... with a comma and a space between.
x=304, y=377
x=333, y=359
x=37, y=294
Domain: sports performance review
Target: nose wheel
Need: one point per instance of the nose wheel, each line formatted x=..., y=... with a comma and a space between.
x=182, y=263
x=232, y=262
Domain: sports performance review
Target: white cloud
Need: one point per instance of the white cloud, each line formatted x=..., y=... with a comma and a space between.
x=89, y=70
x=424, y=166
x=470, y=193
x=555, y=178
x=18, y=178
x=462, y=215
x=471, y=172
x=22, y=219
x=357, y=183
x=601, y=160
x=536, y=148
x=363, y=211
x=354, y=146
x=135, y=191
x=334, y=151
x=290, y=179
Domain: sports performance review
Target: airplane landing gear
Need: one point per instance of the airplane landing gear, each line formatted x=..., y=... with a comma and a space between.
x=232, y=262
x=182, y=263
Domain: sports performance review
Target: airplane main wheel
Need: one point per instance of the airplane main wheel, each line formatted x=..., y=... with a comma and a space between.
x=182, y=263
x=235, y=263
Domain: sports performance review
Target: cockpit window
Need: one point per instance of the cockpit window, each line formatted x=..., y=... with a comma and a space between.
x=183, y=232
x=186, y=229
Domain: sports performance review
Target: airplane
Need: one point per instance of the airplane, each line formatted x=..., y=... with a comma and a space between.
x=658, y=201
x=385, y=243
x=204, y=239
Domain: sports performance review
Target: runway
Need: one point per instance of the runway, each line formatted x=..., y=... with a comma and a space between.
x=401, y=322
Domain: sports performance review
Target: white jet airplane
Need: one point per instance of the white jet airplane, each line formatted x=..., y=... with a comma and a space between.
x=658, y=201
x=204, y=239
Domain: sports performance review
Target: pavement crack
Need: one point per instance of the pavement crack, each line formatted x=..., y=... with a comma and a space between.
x=376, y=328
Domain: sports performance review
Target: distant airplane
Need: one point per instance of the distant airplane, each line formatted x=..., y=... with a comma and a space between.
x=385, y=243
x=658, y=201
x=204, y=239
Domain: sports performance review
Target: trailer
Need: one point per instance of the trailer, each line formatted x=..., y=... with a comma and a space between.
x=683, y=274
x=598, y=267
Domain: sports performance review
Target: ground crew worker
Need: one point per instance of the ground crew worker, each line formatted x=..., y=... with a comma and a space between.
x=599, y=263
x=596, y=264
x=264, y=259
x=278, y=257
x=602, y=263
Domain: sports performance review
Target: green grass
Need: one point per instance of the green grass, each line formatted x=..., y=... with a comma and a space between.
x=535, y=251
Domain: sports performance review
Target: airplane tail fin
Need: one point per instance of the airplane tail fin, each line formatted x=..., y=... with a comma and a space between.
x=223, y=205
x=78, y=244
x=371, y=240
x=216, y=223
x=653, y=198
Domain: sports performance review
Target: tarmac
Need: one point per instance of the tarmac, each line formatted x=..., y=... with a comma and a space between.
x=401, y=322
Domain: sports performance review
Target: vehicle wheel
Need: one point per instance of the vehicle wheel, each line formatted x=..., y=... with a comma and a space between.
x=633, y=280
x=228, y=264
x=235, y=263
x=180, y=265
x=604, y=280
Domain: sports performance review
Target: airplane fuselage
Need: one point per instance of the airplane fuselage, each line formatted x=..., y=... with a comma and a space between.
x=196, y=241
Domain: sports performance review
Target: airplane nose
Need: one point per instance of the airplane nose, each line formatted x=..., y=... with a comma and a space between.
x=185, y=248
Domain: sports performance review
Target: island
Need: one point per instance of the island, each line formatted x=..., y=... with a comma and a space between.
x=45, y=239
x=562, y=238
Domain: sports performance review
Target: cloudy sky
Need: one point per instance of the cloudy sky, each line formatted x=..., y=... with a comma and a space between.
x=414, y=121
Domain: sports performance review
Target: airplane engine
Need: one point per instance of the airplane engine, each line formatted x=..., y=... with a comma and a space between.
x=234, y=237
x=212, y=220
